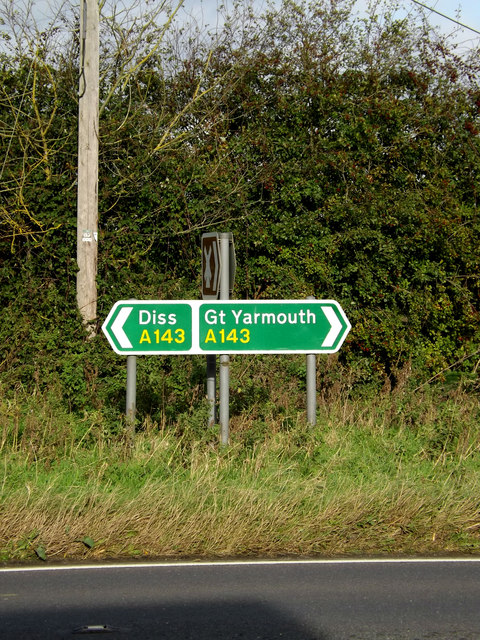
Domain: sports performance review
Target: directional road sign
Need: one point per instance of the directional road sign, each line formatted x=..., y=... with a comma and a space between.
x=272, y=326
x=149, y=327
x=228, y=326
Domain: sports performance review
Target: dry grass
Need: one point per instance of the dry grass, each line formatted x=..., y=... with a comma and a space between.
x=391, y=475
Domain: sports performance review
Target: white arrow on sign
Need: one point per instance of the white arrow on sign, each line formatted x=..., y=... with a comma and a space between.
x=335, y=326
x=117, y=327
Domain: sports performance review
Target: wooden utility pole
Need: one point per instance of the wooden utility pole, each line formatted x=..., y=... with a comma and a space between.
x=87, y=198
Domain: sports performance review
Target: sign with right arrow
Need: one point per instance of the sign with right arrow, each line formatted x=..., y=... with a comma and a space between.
x=272, y=326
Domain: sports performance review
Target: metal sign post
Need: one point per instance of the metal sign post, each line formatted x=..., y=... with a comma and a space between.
x=211, y=268
x=311, y=385
x=225, y=239
x=218, y=274
x=212, y=387
x=131, y=403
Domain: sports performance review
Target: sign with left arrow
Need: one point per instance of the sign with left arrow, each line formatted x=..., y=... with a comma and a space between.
x=148, y=327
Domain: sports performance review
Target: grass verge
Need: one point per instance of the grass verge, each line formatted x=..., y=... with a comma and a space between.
x=397, y=474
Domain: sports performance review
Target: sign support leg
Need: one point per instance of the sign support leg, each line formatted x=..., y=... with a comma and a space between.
x=212, y=387
x=311, y=385
x=312, y=389
x=225, y=359
x=131, y=396
x=224, y=400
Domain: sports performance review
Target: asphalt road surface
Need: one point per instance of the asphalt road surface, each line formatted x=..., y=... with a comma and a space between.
x=360, y=600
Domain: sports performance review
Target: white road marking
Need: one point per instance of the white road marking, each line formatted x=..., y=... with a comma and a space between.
x=240, y=563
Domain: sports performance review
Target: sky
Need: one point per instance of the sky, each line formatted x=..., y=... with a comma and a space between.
x=206, y=12
x=465, y=11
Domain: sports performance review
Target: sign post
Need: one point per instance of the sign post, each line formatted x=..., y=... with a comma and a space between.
x=311, y=379
x=225, y=239
x=131, y=403
x=218, y=275
x=211, y=267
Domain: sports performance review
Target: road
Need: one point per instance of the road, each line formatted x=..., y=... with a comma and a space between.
x=326, y=600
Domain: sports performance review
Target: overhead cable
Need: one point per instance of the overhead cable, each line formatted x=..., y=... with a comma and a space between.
x=465, y=26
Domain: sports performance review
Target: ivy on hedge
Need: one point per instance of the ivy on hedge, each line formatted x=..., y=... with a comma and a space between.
x=343, y=157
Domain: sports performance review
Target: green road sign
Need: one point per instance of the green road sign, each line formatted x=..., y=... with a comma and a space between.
x=159, y=327
x=149, y=327
x=266, y=326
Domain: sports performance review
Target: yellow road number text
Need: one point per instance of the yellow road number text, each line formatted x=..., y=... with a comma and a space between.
x=168, y=336
x=222, y=337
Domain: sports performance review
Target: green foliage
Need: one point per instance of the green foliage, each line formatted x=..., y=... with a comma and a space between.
x=344, y=158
